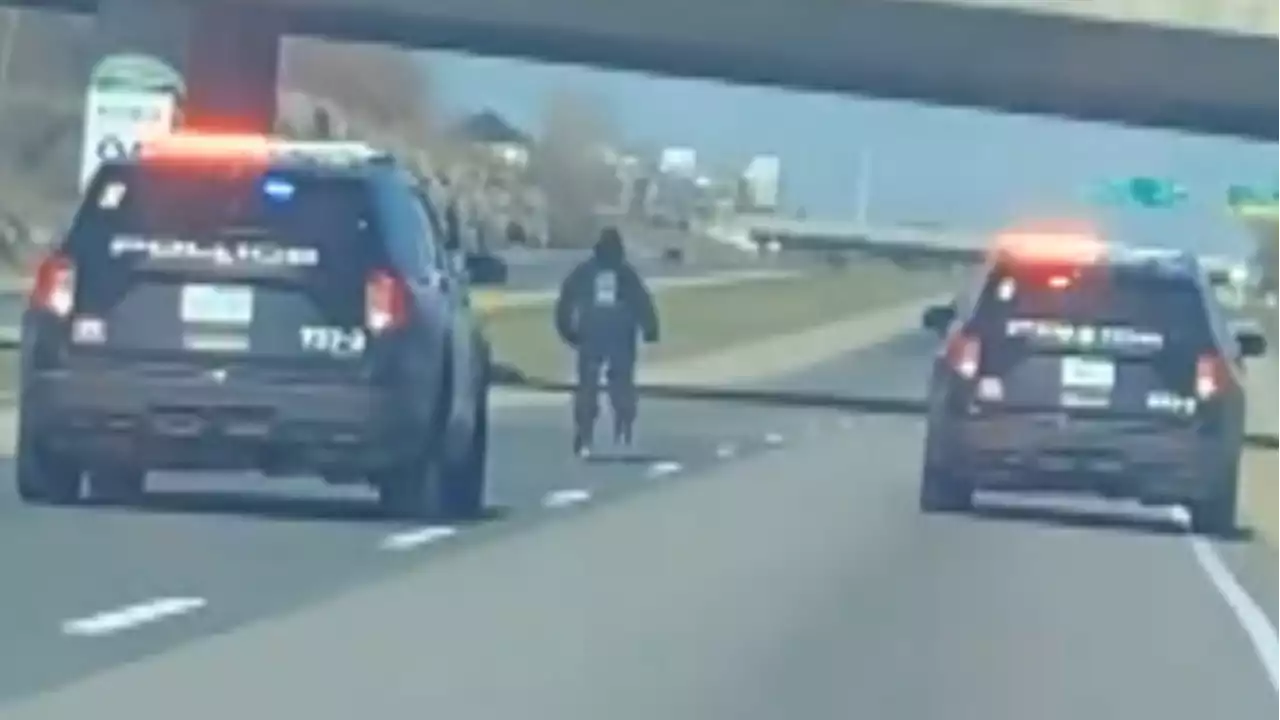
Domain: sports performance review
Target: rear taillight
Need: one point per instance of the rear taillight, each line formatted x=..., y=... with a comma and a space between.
x=964, y=352
x=385, y=302
x=54, y=290
x=1212, y=375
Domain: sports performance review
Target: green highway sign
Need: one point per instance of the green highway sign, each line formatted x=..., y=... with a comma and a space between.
x=1156, y=192
x=1147, y=192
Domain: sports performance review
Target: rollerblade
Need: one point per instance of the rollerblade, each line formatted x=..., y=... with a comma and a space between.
x=582, y=443
x=623, y=433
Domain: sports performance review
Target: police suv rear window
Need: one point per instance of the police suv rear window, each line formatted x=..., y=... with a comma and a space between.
x=287, y=218
x=1124, y=309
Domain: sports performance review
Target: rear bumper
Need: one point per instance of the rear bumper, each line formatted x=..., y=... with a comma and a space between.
x=1137, y=459
x=199, y=423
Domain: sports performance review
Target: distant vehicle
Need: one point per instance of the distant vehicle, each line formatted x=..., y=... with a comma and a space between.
x=227, y=303
x=673, y=255
x=1087, y=370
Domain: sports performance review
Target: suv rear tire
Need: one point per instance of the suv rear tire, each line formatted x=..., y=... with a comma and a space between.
x=45, y=477
x=442, y=481
x=1216, y=515
x=465, y=482
x=943, y=491
x=411, y=490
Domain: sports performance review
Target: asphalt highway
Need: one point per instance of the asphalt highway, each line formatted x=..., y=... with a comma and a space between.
x=748, y=563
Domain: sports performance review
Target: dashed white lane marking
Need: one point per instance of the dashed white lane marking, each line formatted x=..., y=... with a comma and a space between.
x=131, y=616
x=410, y=539
x=773, y=439
x=1262, y=634
x=846, y=422
x=663, y=468
x=724, y=451
x=565, y=498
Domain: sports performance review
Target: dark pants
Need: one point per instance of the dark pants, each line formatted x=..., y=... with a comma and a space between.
x=620, y=381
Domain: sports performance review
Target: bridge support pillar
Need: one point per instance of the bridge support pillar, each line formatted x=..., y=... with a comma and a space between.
x=227, y=53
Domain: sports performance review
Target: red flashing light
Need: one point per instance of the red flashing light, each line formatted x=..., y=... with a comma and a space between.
x=1070, y=243
x=202, y=146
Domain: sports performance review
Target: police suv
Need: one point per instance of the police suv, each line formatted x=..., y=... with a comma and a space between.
x=1077, y=367
x=241, y=303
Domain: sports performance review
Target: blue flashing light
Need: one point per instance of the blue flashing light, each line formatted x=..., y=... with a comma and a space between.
x=278, y=189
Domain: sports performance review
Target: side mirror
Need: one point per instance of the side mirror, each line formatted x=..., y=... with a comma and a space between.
x=937, y=318
x=1252, y=343
x=486, y=269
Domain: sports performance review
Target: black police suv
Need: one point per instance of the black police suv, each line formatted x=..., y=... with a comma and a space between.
x=1114, y=376
x=281, y=307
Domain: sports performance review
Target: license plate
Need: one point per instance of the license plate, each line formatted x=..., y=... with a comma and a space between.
x=1088, y=373
x=217, y=304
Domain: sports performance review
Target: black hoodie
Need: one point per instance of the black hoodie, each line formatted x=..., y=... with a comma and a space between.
x=603, y=303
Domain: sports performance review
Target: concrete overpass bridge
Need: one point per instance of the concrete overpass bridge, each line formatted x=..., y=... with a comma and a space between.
x=1161, y=63
x=1152, y=64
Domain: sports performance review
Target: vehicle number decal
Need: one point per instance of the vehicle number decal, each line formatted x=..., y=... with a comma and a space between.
x=1164, y=401
x=335, y=341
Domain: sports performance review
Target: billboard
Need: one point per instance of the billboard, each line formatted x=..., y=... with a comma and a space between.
x=681, y=161
x=130, y=97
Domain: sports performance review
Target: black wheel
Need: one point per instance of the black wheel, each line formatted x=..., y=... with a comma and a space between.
x=43, y=476
x=1216, y=515
x=117, y=485
x=464, y=486
x=944, y=491
x=412, y=490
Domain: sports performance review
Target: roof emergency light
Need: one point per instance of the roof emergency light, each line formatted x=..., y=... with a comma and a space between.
x=1076, y=246
x=201, y=146
x=187, y=146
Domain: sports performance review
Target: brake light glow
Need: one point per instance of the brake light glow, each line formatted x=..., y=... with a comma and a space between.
x=964, y=353
x=1212, y=376
x=1059, y=282
x=54, y=289
x=386, y=302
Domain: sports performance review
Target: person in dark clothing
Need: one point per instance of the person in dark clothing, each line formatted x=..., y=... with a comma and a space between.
x=602, y=310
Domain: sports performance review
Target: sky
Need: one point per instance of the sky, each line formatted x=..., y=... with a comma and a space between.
x=965, y=168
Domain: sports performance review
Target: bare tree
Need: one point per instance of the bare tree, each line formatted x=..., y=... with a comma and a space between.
x=569, y=165
x=385, y=90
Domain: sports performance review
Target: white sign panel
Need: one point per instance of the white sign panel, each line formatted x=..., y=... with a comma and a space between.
x=764, y=179
x=116, y=122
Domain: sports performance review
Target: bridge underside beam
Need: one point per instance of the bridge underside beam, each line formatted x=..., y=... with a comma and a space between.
x=984, y=58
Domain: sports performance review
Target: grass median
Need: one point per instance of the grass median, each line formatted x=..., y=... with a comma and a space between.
x=1259, y=484
x=696, y=319
x=700, y=319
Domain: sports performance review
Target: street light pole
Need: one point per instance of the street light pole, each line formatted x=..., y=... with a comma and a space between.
x=862, y=207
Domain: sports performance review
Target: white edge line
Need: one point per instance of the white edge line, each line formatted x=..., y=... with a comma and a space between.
x=131, y=616
x=409, y=539
x=565, y=498
x=1253, y=620
x=663, y=468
